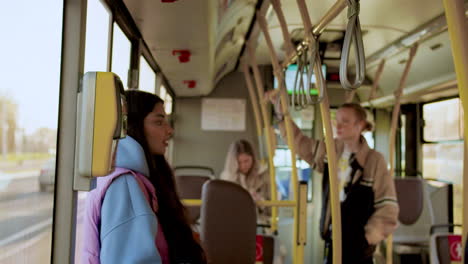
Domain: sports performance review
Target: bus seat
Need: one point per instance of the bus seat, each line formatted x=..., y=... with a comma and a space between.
x=415, y=219
x=416, y=215
x=190, y=187
x=441, y=193
x=194, y=171
x=466, y=251
x=268, y=249
x=442, y=251
x=228, y=223
x=409, y=190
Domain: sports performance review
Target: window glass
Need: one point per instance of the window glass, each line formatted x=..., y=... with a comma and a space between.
x=168, y=104
x=121, y=50
x=147, y=79
x=443, y=120
x=162, y=92
x=167, y=99
x=97, y=37
x=444, y=160
x=304, y=119
x=29, y=99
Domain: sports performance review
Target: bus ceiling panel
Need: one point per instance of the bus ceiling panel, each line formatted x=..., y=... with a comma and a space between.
x=262, y=53
x=197, y=83
x=225, y=64
x=168, y=27
x=191, y=70
x=196, y=65
x=190, y=87
x=441, y=87
x=235, y=22
x=383, y=21
x=425, y=31
x=184, y=21
x=428, y=64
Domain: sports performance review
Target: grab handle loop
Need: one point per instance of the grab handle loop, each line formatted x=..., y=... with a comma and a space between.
x=314, y=58
x=353, y=33
x=306, y=61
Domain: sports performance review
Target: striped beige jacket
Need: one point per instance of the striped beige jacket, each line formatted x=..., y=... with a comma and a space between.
x=385, y=217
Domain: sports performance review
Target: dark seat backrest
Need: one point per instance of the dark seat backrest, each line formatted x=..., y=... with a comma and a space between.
x=443, y=251
x=190, y=187
x=228, y=223
x=268, y=249
x=446, y=248
x=466, y=251
x=410, y=199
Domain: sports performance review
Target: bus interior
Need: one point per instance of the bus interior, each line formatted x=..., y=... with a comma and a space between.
x=211, y=62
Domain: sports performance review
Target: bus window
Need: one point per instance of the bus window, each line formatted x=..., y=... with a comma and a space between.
x=443, y=147
x=121, y=49
x=304, y=119
x=97, y=37
x=147, y=79
x=400, y=150
x=167, y=99
x=29, y=99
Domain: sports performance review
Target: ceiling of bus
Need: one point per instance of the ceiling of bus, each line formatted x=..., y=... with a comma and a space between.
x=214, y=31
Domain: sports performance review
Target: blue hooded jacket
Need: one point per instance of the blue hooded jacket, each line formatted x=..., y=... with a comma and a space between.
x=128, y=224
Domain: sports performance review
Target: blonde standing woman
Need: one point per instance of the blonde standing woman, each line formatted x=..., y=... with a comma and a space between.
x=369, y=208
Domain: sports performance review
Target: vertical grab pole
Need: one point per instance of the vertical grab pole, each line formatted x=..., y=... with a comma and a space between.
x=329, y=144
x=299, y=224
x=395, y=114
x=302, y=216
x=457, y=27
x=254, y=101
x=266, y=123
x=333, y=172
x=289, y=130
x=284, y=27
x=378, y=74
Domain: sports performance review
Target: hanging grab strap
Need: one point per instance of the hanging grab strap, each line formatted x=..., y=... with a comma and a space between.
x=306, y=60
x=314, y=58
x=353, y=33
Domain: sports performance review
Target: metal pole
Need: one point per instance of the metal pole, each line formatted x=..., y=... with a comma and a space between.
x=458, y=30
x=268, y=134
x=395, y=116
x=332, y=13
x=73, y=46
x=254, y=102
x=288, y=124
x=268, y=203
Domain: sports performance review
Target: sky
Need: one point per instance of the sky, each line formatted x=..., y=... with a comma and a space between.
x=30, y=60
x=30, y=56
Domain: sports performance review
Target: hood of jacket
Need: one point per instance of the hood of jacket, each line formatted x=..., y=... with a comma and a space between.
x=130, y=155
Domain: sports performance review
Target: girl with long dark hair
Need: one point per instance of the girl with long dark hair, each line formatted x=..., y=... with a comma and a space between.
x=142, y=219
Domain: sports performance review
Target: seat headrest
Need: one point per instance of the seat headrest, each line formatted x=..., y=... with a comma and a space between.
x=228, y=223
x=410, y=195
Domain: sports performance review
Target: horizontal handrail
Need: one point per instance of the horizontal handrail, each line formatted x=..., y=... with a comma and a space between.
x=268, y=203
